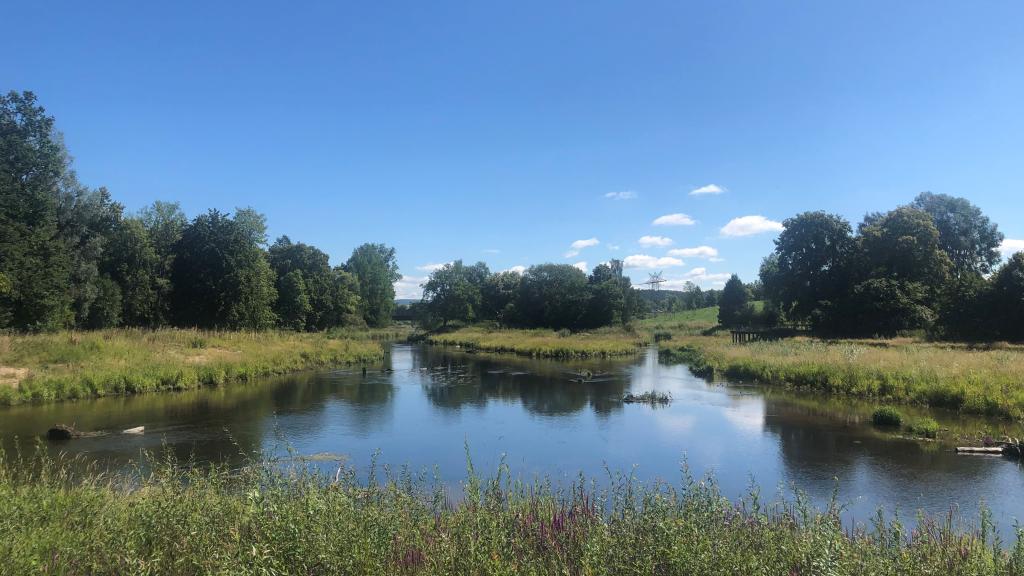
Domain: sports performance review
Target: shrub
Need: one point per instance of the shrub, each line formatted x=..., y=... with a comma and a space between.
x=661, y=335
x=925, y=428
x=886, y=416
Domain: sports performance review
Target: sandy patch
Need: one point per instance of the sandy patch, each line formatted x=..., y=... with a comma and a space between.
x=12, y=376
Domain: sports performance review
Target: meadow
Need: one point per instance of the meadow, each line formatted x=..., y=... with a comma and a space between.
x=269, y=519
x=73, y=365
x=976, y=379
x=604, y=342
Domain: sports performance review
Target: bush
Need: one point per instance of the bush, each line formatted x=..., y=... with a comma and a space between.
x=661, y=335
x=886, y=416
x=925, y=428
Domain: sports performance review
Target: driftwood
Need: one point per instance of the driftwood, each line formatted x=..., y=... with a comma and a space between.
x=1012, y=447
x=979, y=449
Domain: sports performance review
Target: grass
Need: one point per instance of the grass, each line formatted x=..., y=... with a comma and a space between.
x=975, y=380
x=605, y=342
x=73, y=365
x=925, y=428
x=265, y=519
x=886, y=416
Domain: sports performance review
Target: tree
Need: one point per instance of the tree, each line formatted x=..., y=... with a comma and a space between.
x=130, y=260
x=221, y=277
x=966, y=235
x=1008, y=298
x=164, y=223
x=376, y=269
x=734, y=304
x=811, y=264
x=292, y=301
x=553, y=296
x=452, y=292
x=498, y=297
x=611, y=297
x=33, y=256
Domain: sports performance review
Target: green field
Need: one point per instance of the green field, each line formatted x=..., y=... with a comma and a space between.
x=545, y=343
x=72, y=365
x=263, y=519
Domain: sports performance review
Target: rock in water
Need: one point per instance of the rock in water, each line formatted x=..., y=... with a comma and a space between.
x=61, y=432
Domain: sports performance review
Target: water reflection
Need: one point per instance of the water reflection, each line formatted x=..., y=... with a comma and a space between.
x=423, y=406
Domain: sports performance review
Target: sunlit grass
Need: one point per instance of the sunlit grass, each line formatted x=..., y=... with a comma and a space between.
x=979, y=380
x=264, y=519
x=545, y=343
x=71, y=365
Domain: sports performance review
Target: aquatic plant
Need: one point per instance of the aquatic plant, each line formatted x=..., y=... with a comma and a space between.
x=886, y=416
x=265, y=519
x=925, y=428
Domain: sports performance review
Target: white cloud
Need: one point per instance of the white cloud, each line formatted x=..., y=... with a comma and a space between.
x=517, y=269
x=409, y=287
x=624, y=195
x=674, y=220
x=432, y=267
x=750, y=225
x=613, y=247
x=1009, y=247
x=578, y=245
x=582, y=266
x=696, y=252
x=491, y=251
x=655, y=241
x=699, y=276
x=645, y=261
x=709, y=189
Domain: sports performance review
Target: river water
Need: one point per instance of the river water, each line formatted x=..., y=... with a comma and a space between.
x=426, y=406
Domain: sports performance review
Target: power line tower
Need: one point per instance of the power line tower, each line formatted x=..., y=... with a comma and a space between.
x=655, y=281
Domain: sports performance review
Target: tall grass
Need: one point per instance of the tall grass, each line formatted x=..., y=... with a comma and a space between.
x=268, y=520
x=988, y=380
x=72, y=365
x=545, y=343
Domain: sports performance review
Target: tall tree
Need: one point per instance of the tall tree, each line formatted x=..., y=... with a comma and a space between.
x=811, y=264
x=1008, y=298
x=376, y=269
x=221, y=277
x=164, y=223
x=734, y=305
x=553, y=296
x=293, y=305
x=452, y=292
x=498, y=297
x=130, y=260
x=33, y=255
x=966, y=235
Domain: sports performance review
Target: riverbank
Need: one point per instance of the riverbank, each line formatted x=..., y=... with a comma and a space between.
x=268, y=520
x=605, y=342
x=74, y=365
x=986, y=380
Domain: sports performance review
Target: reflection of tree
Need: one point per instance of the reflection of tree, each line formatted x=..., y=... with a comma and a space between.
x=453, y=379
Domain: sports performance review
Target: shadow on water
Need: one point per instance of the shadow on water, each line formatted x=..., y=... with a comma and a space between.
x=425, y=404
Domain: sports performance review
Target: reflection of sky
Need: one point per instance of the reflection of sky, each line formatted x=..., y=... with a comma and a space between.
x=433, y=403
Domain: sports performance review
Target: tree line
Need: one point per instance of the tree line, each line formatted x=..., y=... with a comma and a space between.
x=544, y=296
x=932, y=265
x=71, y=257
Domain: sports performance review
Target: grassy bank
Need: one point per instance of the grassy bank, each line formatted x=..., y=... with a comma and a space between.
x=544, y=343
x=988, y=380
x=266, y=521
x=71, y=365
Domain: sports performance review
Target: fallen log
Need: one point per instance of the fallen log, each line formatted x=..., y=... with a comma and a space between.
x=980, y=449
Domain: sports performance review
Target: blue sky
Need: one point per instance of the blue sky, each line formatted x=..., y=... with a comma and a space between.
x=507, y=132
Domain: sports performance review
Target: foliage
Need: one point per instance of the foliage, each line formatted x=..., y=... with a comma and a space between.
x=273, y=518
x=886, y=416
x=453, y=292
x=734, y=305
x=376, y=270
x=67, y=366
x=968, y=237
x=544, y=343
x=925, y=428
x=1008, y=298
x=985, y=380
x=293, y=301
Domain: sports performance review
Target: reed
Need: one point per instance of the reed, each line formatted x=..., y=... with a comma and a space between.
x=73, y=365
x=263, y=519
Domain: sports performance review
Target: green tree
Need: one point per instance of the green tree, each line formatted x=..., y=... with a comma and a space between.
x=221, y=278
x=130, y=260
x=553, y=296
x=1008, y=299
x=452, y=292
x=966, y=235
x=293, y=305
x=498, y=296
x=375, y=267
x=105, y=308
x=810, y=267
x=611, y=297
x=164, y=223
x=733, y=307
x=33, y=255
